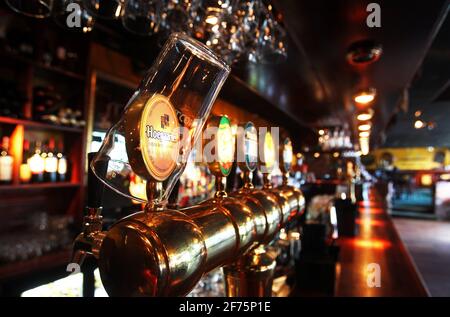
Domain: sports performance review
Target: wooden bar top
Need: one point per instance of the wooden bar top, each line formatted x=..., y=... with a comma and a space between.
x=377, y=241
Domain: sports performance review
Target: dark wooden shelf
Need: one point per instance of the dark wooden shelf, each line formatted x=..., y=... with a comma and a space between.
x=50, y=68
x=40, y=125
x=39, y=186
x=45, y=262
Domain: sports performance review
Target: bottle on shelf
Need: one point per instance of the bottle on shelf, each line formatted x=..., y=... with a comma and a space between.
x=62, y=162
x=24, y=171
x=341, y=139
x=6, y=162
x=36, y=163
x=51, y=162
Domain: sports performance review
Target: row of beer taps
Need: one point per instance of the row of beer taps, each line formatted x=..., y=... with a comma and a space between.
x=166, y=252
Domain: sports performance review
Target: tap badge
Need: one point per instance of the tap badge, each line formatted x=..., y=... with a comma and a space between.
x=287, y=155
x=269, y=152
x=250, y=146
x=225, y=146
x=159, y=139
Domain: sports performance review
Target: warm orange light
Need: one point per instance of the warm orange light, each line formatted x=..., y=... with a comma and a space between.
x=426, y=180
x=321, y=132
x=419, y=124
x=317, y=155
x=364, y=134
x=364, y=127
x=367, y=222
x=365, y=116
x=213, y=20
x=138, y=188
x=269, y=151
x=371, y=210
x=418, y=113
x=365, y=97
x=377, y=244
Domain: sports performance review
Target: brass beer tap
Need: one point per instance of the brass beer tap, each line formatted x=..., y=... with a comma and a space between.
x=88, y=242
x=164, y=252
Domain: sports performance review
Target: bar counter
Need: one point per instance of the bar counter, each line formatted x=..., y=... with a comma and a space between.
x=377, y=241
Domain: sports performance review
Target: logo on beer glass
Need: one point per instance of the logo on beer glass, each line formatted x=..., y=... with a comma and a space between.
x=159, y=137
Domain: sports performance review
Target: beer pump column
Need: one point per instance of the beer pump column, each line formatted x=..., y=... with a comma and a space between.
x=227, y=224
x=291, y=194
x=252, y=274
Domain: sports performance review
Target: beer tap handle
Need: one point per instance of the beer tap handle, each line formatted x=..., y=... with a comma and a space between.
x=89, y=240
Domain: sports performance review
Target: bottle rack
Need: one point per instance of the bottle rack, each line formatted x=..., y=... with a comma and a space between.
x=20, y=201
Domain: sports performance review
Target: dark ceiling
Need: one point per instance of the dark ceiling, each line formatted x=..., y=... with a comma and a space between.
x=429, y=94
x=316, y=84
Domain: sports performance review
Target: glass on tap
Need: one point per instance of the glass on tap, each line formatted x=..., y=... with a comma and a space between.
x=164, y=117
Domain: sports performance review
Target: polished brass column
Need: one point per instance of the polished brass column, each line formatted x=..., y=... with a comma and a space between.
x=252, y=274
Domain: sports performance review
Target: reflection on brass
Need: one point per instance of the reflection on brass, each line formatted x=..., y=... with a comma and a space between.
x=163, y=252
x=166, y=253
x=251, y=275
x=292, y=199
x=265, y=210
x=152, y=254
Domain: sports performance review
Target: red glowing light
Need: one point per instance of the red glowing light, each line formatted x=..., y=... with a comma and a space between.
x=367, y=222
x=377, y=244
x=371, y=211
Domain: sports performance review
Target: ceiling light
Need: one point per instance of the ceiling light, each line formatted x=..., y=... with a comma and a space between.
x=212, y=19
x=364, y=134
x=419, y=124
x=317, y=155
x=364, y=127
x=418, y=113
x=321, y=132
x=364, y=52
x=365, y=116
x=365, y=96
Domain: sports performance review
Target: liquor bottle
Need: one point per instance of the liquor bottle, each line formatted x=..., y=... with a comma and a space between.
x=335, y=139
x=36, y=163
x=341, y=139
x=62, y=162
x=6, y=162
x=51, y=162
x=24, y=171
